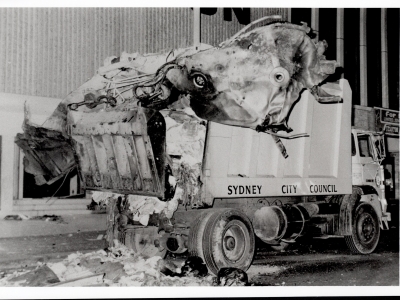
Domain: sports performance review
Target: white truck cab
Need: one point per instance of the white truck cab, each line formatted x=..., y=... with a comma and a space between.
x=368, y=152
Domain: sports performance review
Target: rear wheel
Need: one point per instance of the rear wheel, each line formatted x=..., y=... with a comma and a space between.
x=228, y=241
x=195, y=243
x=365, y=230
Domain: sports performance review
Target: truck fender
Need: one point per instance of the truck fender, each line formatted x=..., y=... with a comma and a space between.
x=373, y=200
x=367, y=190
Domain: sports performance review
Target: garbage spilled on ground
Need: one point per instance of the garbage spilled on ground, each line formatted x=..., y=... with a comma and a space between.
x=119, y=266
x=47, y=218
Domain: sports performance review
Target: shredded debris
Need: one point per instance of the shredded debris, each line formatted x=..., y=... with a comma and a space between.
x=47, y=218
x=50, y=218
x=115, y=266
x=100, y=207
x=185, y=144
x=259, y=270
x=19, y=217
x=232, y=277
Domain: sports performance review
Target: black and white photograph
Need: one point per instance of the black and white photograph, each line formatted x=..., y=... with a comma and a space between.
x=239, y=151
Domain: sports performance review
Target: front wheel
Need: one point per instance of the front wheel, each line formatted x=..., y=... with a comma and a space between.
x=228, y=241
x=365, y=230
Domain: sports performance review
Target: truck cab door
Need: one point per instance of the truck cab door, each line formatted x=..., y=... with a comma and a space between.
x=367, y=158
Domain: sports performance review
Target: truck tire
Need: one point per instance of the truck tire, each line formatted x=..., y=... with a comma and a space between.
x=195, y=241
x=365, y=230
x=228, y=241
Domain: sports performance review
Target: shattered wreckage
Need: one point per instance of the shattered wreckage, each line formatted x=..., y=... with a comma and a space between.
x=204, y=149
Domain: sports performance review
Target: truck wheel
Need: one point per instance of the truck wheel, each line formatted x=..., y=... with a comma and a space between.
x=195, y=243
x=366, y=231
x=228, y=241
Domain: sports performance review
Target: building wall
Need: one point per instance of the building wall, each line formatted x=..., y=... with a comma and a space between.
x=50, y=52
x=215, y=28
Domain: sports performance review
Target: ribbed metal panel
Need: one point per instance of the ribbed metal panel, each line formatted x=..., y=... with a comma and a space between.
x=51, y=51
x=121, y=151
x=214, y=29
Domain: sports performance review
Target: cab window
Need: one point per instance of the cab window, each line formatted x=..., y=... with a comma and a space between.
x=364, y=146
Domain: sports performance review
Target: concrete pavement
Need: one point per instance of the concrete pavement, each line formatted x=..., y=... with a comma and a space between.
x=23, y=243
x=70, y=224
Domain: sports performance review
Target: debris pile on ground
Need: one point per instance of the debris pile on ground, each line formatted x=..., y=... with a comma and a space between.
x=232, y=277
x=47, y=218
x=40, y=276
x=115, y=266
x=19, y=217
x=100, y=207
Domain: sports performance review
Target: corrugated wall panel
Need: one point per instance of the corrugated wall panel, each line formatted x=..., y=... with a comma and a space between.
x=214, y=29
x=51, y=51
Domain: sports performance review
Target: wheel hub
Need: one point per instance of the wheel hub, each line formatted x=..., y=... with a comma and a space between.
x=367, y=228
x=234, y=243
x=230, y=243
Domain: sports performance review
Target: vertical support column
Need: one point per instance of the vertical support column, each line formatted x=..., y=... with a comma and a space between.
x=340, y=37
x=315, y=22
x=289, y=14
x=21, y=171
x=384, y=59
x=196, y=27
x=7, y=169
x=363, y=57
x=16, y=172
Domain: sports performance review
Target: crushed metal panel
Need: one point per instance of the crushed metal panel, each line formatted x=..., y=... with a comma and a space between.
x=48, y=154
x=120, y=150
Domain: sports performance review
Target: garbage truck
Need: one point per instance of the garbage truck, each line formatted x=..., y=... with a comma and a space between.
x=302, y=171
x=331, y=184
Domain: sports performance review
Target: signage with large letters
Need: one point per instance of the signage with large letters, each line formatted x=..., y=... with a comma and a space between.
x=387, y=120
x=242, y=14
